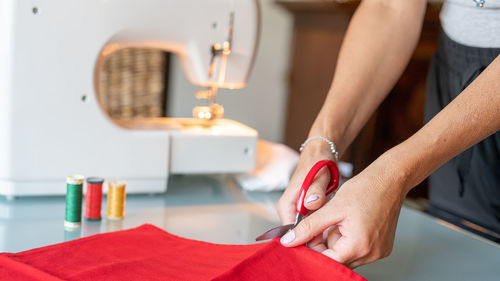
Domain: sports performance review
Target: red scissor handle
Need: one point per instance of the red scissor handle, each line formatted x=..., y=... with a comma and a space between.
x=332, y=185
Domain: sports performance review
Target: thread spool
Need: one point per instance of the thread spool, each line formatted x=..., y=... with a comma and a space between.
x=116, y=200
x=74, y=194
x=93, y=198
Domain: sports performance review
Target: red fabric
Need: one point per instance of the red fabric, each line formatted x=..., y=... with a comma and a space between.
x=149, y=253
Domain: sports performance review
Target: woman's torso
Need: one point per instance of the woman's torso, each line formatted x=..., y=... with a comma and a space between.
x=470, y=25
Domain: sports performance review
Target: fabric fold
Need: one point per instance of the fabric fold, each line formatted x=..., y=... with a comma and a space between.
x=299, y=264
x=13, y=270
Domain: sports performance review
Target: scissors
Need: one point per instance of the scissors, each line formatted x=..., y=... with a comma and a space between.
x=301, y=210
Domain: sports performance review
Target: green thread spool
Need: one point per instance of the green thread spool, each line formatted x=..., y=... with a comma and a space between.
x=74, y=194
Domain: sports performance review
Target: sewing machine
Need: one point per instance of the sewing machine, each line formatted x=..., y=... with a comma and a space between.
x=51, y=122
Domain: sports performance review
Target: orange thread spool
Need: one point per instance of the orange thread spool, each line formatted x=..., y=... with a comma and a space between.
x=116, y=200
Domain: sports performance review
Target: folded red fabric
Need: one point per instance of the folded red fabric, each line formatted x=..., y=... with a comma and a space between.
x=149, y=253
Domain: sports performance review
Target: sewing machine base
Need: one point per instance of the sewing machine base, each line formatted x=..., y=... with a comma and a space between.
x=144, y=159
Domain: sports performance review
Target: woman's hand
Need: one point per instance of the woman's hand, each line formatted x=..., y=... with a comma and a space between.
x=358, y=225
x=315, y=197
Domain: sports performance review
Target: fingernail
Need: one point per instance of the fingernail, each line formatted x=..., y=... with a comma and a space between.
x=288, y=237
x=311, y=198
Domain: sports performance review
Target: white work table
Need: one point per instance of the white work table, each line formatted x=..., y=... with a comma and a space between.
x=215, y=209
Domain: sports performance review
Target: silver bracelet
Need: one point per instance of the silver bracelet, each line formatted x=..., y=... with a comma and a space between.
x=332, y=146
x=479, y=3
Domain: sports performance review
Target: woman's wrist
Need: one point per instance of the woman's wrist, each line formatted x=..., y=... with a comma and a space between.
x=329, y=130
x=402, y=165
x=330, y=143
x=317, y=149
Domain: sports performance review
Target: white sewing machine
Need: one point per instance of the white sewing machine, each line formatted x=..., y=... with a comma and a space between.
x=50, y=55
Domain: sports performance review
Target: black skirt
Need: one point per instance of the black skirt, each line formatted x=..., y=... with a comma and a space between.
x=466, y=190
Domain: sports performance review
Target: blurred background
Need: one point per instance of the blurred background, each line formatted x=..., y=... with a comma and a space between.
x=296, y=59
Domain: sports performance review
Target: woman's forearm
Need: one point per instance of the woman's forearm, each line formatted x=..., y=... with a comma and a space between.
x=468, y=119
x=377, y=47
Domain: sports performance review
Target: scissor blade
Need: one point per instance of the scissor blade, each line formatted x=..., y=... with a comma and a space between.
x=275, y=232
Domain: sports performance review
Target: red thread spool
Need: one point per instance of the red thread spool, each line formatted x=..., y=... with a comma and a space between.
x=93, y=198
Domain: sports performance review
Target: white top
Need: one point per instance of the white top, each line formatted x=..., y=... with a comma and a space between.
x=470, y=25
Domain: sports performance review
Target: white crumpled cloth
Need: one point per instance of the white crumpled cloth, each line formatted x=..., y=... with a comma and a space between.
x=274, y=167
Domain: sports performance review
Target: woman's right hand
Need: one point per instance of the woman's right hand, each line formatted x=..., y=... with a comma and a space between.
x=313, y=152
